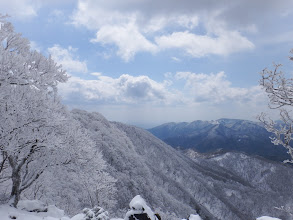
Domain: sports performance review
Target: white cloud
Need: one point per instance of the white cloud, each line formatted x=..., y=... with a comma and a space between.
x=202, y=45
x=158, y=23
x=176, y=59
x=127, y=38
x=198, y=88
x=67, y=58
x=215, y=88
x=123, y=90
x=135, y=99
x=150, y=26
x=96, y=74
x=188, y=22
x=22, y=9
x=19, y=8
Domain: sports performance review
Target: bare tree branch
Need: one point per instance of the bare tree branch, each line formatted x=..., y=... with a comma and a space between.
x=280, y=92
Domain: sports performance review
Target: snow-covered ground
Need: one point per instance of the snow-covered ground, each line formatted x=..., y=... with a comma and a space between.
x=28, y=210
x=36, y=210
x=7, y=213
x=267, y=218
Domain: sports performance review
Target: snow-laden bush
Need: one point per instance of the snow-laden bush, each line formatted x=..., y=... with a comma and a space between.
x=139, y=210
x=97, y=213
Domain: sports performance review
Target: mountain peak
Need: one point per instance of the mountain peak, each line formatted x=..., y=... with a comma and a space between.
x=227, y=134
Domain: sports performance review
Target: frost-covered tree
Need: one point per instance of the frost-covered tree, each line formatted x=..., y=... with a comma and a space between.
x=38, y=136
x=75, y=185
x=279, y=89
x=31, y=116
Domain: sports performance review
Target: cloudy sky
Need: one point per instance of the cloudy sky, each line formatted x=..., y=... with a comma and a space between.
x=146, y=62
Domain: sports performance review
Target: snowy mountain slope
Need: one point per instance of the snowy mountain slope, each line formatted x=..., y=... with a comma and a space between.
x=264, y=175
x=172, y=181
x=225, y=134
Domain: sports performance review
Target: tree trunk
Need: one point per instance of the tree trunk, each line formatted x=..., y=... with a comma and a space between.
x=15, y=191
x=16, y=181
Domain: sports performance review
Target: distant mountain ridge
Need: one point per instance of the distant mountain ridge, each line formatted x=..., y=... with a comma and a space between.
x=223, y=134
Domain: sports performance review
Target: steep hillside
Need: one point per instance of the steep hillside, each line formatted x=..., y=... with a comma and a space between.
x=172, y=181
x=223, y=134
